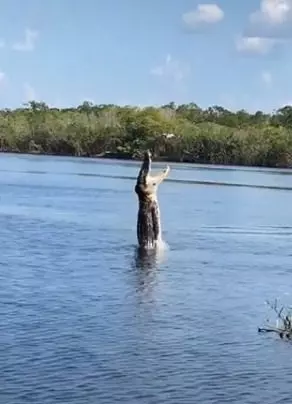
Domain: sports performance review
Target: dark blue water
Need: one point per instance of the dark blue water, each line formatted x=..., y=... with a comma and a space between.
x=86, y=320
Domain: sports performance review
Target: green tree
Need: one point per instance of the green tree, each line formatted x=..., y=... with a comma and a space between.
x=183, y=132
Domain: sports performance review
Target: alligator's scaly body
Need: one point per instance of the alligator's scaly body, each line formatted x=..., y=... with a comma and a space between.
x=148, y=221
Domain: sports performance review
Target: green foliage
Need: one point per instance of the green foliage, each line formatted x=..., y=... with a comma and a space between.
x=175, y=133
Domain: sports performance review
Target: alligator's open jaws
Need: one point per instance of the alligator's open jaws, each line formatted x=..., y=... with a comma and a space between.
x=148, y=221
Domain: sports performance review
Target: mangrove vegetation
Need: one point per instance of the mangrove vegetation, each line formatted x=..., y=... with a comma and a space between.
x=172, y=132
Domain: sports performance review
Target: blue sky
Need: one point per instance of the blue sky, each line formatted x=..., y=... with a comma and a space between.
x=235, y=53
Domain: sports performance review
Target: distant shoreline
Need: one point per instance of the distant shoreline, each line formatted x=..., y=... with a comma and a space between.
x=124, y=157
x=174, y=133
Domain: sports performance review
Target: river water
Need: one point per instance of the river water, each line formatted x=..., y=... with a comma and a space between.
x=84, y=319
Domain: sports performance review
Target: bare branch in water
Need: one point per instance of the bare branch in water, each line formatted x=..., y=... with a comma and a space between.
x=284, y=327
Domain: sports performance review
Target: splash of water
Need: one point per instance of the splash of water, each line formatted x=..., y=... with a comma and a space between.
x=153, y=255
x=162, y=246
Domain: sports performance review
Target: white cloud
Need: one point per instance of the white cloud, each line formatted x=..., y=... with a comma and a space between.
x=2, y=43
x=267, y=78
x=273, y=19
x=255, y=45
x=172, y=69
x=2, y=77
x=273, y=12
x=171, y=83
x=28, y=44
x=286, y=103
x=203, y=14
x=29, y=93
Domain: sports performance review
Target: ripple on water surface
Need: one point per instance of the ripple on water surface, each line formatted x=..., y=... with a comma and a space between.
x=87, y=319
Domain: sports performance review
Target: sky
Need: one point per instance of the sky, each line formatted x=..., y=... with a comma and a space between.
x=233, y=53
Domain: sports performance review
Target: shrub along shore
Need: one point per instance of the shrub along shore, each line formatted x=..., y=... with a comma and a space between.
x=178, y=133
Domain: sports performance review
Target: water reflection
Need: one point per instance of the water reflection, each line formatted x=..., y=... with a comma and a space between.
x=146, y=264
x=146, y=259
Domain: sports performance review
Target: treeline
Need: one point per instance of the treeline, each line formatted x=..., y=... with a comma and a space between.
x=173, y=132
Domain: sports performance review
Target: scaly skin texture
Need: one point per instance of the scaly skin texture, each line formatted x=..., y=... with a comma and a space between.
x=148, y=221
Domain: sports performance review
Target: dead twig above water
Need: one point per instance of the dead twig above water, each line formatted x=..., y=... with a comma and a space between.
x=283, y=326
